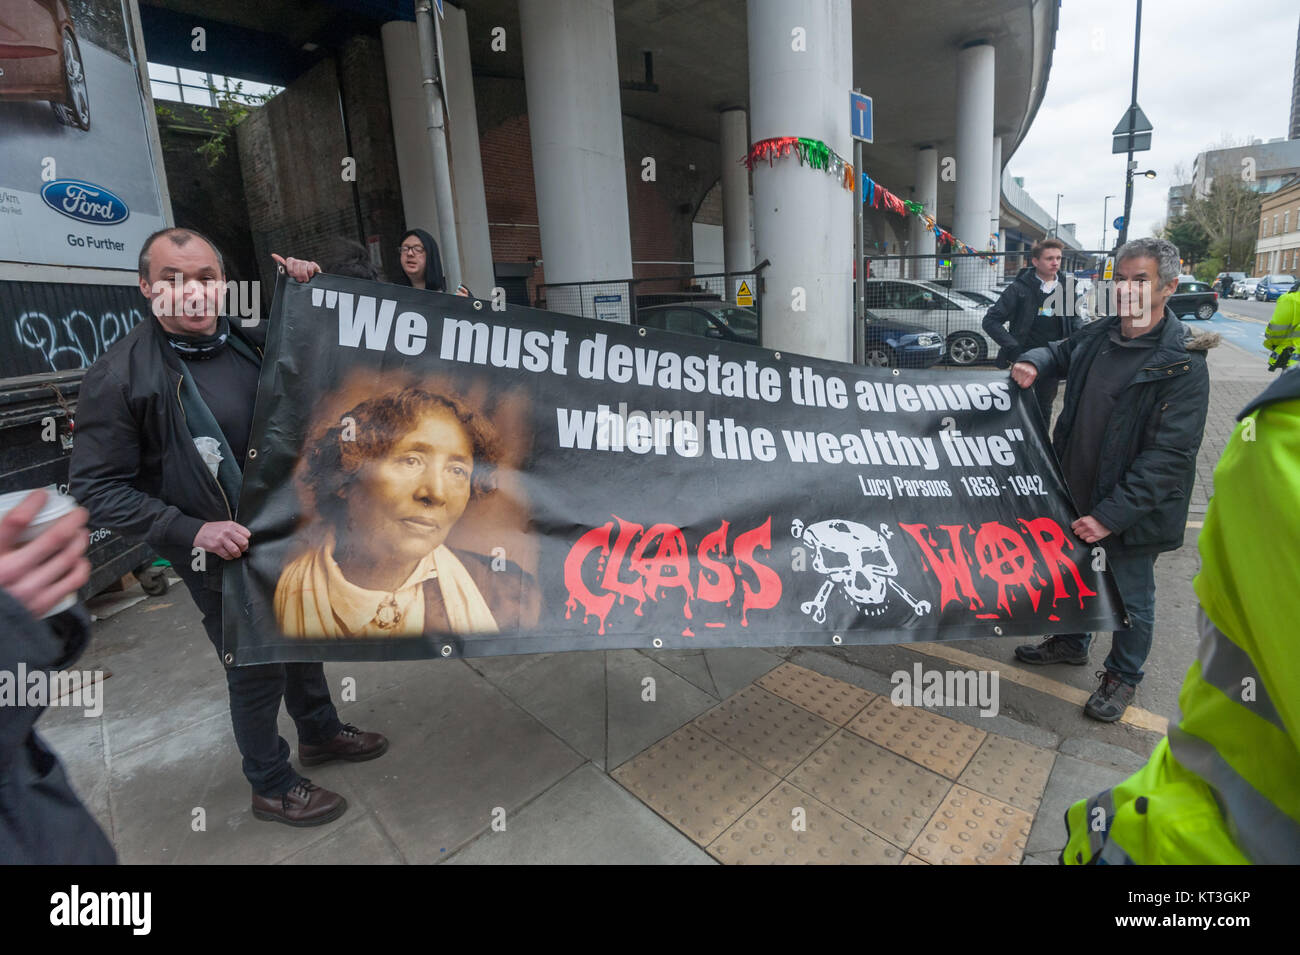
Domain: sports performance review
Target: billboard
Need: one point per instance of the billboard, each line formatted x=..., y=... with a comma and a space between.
x=78, y=185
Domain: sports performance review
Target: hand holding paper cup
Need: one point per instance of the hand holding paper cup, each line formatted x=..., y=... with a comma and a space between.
x=43, y=544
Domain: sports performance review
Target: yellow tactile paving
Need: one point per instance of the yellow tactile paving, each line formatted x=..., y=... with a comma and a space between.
x=773, y=732
x=971, y=828
x=696, y=783
x=875, y=788
x=910, y=859
x=831, y=699
x=790, y=827
x=1009, y=770
x=934, y=741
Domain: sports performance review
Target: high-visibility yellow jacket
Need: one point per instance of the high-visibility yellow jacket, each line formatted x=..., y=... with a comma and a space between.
x=1224, y=785
x=1284, y=327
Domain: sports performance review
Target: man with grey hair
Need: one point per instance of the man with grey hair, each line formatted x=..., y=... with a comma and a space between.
x=1137, y=390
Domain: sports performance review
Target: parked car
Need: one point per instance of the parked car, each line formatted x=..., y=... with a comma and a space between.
x=1194, y=299
x=889, y=344
x=1272, y=286
x=978, y=296
x=706, y=319
x=40, y=59
x=1245, y=288
x=917, y=302
x=1237, y=277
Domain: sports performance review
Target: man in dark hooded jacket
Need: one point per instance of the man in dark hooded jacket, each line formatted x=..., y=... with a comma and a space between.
x=420, y=261
x=1033, y=310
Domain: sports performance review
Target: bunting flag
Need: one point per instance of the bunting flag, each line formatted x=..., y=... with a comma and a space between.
x=878, y=197
x=810, y=152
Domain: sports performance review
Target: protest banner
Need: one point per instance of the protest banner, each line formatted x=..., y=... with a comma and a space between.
x=430, y=476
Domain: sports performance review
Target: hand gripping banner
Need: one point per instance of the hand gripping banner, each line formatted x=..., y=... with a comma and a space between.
x=435, y=477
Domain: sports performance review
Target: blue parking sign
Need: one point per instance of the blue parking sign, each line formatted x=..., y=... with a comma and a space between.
x=860, y=110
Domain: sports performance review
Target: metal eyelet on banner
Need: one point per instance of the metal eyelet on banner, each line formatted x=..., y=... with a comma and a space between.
x=446, y=649
x=478, y=304
x=657, y=643
x=998, y=631
x=837, y=640
x=776, y=355
x=641, y=331
x=895, y=372
x=252, y=453
x=229, y=658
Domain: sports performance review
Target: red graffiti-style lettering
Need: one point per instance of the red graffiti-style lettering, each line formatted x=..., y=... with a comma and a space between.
x=1004, y=557
x=669, y=566
x=950, y=565
x=1053, y=543
x=598, y=604
x=723, y=584
x=768, y=593
x=642, y=564
x=635, y=589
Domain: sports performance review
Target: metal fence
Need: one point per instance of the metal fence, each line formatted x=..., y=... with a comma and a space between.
x=618, y=301
x=983, y=274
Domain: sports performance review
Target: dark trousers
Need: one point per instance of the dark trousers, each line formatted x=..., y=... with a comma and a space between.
x=1045, y=391
x=255, y=694
x=1136, y=579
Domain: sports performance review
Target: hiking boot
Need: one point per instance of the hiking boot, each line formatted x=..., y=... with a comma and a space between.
x=1053, y=650
x=1109, y=701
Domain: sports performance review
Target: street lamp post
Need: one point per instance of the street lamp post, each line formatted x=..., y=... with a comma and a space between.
x=1104, y=219
x=1056, y=223
x=1128, y=179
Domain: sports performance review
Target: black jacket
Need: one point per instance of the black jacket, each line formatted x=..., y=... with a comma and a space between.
x=1148, y=460
x=42, y=821
x=1011, y=318
x=434, y=279
x=134, y=465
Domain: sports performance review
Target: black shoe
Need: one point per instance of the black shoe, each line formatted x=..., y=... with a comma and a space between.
x=1109, y=701
x=1052, y=650
x=351, y=744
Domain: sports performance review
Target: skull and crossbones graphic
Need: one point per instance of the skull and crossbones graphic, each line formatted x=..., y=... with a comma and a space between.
x=856, y=558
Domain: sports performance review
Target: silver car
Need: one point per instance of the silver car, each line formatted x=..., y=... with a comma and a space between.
x=956, y=318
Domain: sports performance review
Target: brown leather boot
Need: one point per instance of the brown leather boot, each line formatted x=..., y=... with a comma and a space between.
x=303, y=805
x=351, y=744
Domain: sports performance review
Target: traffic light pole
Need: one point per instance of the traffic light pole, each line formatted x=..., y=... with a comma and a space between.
x=1132, y=121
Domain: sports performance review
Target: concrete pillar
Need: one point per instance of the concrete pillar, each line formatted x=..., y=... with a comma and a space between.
x=415, y=157
x=995, y=212
x=800, y=74
x=466, y=164
x=927, y=194
x=971, y=214
x=738, y=254
x=576, y=126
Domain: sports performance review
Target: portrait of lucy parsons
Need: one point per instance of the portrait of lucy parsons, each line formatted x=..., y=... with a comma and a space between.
x=388, y=482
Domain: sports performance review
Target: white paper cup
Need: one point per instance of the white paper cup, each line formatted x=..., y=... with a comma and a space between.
x=56, y=506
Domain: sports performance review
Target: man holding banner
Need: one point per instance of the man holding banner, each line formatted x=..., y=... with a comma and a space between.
x=1136, y=397
x=163, y=428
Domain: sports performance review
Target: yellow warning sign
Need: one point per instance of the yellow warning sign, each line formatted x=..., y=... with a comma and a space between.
x=744, y=297
x=1109, y=272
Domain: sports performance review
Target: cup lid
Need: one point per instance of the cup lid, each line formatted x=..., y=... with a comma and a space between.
x=56, y=504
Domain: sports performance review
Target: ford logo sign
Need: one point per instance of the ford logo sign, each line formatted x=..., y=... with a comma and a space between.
x=85, y=202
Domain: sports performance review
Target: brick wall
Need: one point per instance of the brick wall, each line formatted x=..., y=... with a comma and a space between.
x=291, y=152
x=659, y=212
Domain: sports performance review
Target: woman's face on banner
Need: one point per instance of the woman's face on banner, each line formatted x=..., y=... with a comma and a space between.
x=407, y=502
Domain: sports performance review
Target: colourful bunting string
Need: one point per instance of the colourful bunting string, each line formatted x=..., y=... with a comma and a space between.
x=878, y=197
x=810, y=152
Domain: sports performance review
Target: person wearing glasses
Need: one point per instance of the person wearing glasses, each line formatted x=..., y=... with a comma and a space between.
x=421, y=263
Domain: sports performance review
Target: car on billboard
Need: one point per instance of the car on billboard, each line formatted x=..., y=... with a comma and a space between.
x=40, y=59
x=955, y=318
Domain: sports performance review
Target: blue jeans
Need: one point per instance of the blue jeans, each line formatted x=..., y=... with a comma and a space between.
x=1136, y=579
x=255, y=694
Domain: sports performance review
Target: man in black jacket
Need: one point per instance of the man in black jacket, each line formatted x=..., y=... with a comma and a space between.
x=163, y=425
x=1136, y=396
x=1033, y=310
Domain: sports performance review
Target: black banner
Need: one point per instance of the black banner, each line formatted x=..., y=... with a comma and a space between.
x=435, y=477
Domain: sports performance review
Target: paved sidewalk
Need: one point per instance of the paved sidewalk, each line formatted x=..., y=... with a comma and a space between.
x=741, y=755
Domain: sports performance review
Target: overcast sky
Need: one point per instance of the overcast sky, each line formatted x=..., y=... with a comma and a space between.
x=1203, y=74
